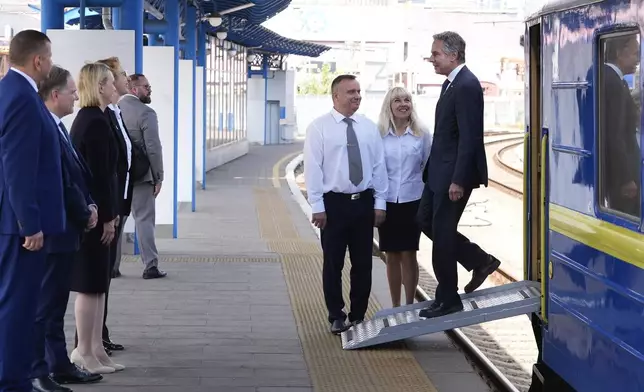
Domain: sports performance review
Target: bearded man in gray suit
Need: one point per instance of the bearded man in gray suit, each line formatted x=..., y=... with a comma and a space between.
x=143, y=126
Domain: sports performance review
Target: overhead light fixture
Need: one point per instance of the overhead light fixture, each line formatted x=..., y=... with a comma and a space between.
x=232, y=52
x=222, y=34
x=215, y=20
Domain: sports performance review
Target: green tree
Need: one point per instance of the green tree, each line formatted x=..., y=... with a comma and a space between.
x=317, y=83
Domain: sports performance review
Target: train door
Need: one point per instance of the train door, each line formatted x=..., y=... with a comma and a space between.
x=536, y=141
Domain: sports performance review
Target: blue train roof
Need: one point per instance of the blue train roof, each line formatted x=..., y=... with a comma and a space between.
x=550, y=6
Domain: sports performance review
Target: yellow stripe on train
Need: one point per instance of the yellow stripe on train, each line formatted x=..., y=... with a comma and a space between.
x=609, y=238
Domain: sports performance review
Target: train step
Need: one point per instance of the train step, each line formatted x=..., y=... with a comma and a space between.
x=390, y=325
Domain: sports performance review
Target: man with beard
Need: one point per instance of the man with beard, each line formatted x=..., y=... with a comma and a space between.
x=32, y=207
x=347, y=182
x=143, y=126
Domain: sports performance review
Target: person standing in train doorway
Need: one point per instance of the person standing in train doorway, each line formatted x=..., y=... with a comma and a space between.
x=346, y=181
x=456, y=165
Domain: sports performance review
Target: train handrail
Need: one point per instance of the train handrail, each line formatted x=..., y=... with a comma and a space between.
x=544, y=256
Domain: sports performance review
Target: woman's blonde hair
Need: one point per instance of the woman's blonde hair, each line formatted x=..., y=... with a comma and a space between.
x=91, y=77
x=114, y=64
x=386, y=119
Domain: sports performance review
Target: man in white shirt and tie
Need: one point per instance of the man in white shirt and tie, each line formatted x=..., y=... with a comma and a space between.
x=346, y=182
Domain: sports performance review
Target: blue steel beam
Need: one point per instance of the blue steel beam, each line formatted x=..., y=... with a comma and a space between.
x=52, y=13
x=191, y=54
x=132, y=19
x=171, y=12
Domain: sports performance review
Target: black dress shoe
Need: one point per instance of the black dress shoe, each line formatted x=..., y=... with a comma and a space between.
x=441, y=310
x=339, y=326
x=109, y=345
x=480, y=274
x=46, y=384
x=76, y=376
x=356, y=322
x=154, y=273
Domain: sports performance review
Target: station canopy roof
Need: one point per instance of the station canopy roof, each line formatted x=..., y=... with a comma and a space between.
x=243, y=25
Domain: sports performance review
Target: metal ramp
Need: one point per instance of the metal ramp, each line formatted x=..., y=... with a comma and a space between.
x=390, y=325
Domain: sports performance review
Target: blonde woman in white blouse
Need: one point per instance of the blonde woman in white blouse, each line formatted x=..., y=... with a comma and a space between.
x=406, y=146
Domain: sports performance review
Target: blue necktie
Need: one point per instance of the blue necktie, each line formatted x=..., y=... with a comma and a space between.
x=65, y=135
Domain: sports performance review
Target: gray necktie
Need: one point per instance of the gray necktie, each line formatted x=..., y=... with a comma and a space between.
x=353, y=150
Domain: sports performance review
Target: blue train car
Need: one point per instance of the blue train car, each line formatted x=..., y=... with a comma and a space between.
x=583, y=198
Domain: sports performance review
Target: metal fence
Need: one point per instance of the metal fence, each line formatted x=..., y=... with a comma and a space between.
x=500, y=112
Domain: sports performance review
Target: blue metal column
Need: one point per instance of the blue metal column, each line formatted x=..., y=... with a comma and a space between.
x=191, y=54
x=201, y=59
x=116, y=18
x=131, y=18
x=172, y=39
x=81, y=13
x=52, y=16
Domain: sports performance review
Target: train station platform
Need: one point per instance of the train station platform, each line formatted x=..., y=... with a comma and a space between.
x=242, y=308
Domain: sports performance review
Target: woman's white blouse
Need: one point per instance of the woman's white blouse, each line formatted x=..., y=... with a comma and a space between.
x=405, y=158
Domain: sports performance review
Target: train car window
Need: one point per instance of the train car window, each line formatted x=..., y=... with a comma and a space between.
x=619, y=124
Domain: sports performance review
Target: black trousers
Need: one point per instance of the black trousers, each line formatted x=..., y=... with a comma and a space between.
x=438, y=218
x=349, y=224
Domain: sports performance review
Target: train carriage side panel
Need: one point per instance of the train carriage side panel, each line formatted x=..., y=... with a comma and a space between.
x=594, y=337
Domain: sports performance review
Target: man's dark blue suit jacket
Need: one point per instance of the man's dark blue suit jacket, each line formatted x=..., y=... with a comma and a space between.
x=458, y=153
x=76, y=177
x=31, y=186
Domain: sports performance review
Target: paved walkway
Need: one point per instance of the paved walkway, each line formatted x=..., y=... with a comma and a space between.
x=242, y=310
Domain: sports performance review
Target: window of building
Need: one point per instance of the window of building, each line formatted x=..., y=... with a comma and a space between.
x=226, y=93
x=619, y=155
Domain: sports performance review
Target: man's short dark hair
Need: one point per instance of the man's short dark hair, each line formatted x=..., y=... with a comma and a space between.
x=25, y=45
x=452, y=43
x=57, y=80
x=339, y=79
x=136, y=77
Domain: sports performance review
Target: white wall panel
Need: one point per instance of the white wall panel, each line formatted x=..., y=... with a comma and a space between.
x=186, y=184
x=158, y=67
x=199, y=124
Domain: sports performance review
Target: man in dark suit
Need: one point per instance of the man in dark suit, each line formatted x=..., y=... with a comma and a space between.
x=619, y=149
x=31, y=202
x=456, y=166
x=59, y=93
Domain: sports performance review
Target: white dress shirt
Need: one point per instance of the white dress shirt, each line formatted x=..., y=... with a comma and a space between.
x=405, y=157
x=326, y=161
x=29, y=79
x=128, y=144
x=65, y=135
x=452, y=75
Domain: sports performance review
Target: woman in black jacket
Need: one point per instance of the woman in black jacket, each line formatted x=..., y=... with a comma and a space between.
x=92, y=136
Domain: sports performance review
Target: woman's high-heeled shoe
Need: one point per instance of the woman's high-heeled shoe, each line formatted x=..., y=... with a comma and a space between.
x=79, y=361
x=105, y=360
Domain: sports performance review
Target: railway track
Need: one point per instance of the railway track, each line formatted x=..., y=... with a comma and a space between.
x=501, y=175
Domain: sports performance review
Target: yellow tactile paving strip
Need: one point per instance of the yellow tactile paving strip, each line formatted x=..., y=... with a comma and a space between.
x=273, y=215
x=390, y=369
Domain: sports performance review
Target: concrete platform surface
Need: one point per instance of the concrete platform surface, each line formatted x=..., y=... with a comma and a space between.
x=242, y=308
